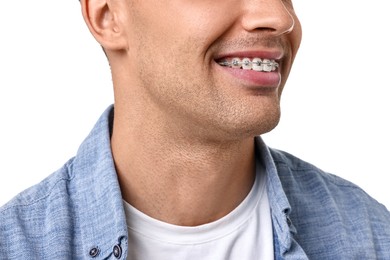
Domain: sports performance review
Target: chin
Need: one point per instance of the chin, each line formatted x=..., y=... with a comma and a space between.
x=262, y=122
x=263, y=127
x=251, y=127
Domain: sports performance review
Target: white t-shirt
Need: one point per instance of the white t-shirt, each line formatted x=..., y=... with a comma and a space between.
x=244, y=234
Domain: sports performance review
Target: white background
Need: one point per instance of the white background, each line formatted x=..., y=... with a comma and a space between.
x=55, y=83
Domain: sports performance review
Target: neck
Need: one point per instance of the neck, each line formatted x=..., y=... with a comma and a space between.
x=180, y=179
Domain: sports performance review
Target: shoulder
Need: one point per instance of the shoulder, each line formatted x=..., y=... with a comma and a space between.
x=293, y=169
x=322, y=203
x=37, y=215
x=42, y=191
x=302, y=178
x=72, y=210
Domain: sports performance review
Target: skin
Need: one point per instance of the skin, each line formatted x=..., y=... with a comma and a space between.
x=183, y=130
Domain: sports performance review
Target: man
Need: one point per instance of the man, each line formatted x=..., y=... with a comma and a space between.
x=176, y=170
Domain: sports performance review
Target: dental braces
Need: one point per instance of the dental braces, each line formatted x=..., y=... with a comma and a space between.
x=237, y=63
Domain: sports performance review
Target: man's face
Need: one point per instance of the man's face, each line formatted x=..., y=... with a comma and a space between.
x=177, y=50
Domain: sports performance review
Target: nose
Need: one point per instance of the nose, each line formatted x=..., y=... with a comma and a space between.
x=274, y=16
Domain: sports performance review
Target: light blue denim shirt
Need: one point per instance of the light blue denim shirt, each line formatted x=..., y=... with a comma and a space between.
x=77, y=212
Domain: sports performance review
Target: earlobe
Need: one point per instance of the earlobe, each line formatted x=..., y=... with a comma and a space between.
x=103, y=23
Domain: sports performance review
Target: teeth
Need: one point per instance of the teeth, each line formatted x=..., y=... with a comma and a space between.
x=236, y=63
x=267, y=65
x=255, y=64
x=246, y=64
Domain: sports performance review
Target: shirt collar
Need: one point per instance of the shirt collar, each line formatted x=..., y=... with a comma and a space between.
x=100, y=209
x=280, y=206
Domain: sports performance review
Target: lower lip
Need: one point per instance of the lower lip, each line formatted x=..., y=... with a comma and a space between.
x=254, y=79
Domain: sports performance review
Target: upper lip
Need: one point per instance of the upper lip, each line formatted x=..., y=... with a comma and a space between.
x=264, y=54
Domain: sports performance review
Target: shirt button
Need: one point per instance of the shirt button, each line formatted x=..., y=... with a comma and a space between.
x=117, y=251
x=94, y=252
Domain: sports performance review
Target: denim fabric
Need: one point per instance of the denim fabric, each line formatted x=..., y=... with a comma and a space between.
x=77, y=212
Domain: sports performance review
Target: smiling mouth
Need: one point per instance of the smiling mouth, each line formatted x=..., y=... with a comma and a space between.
x=256, y=64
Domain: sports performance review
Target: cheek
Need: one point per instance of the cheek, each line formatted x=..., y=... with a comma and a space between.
x=296, y=36
x=173, y=76
x=203, y=23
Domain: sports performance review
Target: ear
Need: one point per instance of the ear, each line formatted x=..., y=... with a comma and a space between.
x=103, y=22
